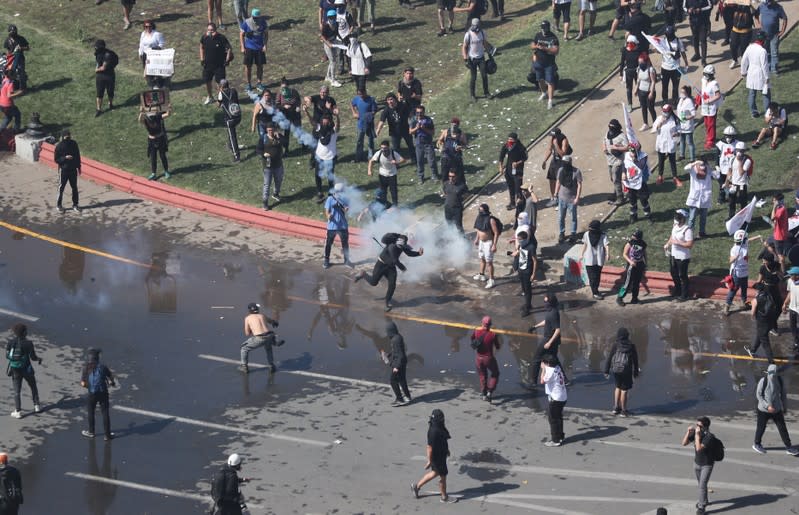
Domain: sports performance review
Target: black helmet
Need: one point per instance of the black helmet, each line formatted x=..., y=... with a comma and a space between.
x=638, y=234
x=252, y=307
x=12, y=29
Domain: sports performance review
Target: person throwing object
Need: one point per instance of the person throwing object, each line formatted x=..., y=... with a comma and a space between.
x=388, y=262
x=260, y=335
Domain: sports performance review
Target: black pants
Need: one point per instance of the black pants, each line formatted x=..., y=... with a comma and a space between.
x=761, y=339
x=727, y=15
x=408, y=139
x=389, y=185
x=16, y=378
x=794, y=320
x=555, y=416
x=454, y=215
x=104, y=83
x=679, y=274
x=669, y=77
x=102, y=398
x=498, y=7
x=636, y=196
x=233, y=140
x=360, y=82
x=736, y=199
x=662, y=163
x=64, y=177
x=398, y=381
x=632, y=280
x=700, y=27
x=738, y=43
x=514, y=183
x=594, y=273
x=524, y=277
x=383, y=270
x=157, y=147
x=474, y=65
x=779, y=420
x=629, y=82
x=647, y=105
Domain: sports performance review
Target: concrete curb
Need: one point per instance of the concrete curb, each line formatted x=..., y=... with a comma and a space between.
x=288, y=225
x=702, y=287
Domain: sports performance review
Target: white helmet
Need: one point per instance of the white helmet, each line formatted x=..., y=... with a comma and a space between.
x=740, y=146
x=730, y=131
x=234, y=460
x=632, y=39
x=709, y=70
x=739, y=236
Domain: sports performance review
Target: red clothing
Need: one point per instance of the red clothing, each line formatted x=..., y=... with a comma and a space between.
x=781, y=223
x=490, y=342
x=710, y=132
x=5, y=93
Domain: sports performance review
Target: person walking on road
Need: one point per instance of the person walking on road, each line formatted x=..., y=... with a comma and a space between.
x=554, y=381
x=96, y=377
x=259, y=335
x=679, y=247
x=512, y=167
x=634, y=255
x=704, y=459
x=398, y=362
x=568, y=188
x=550, y=343
x=771, y=398
x=670, y=65
x=614, y=145
x=11, y=482
x=387, y=263
x=21, y=355
x=764, y=312
x=437, y=454
x=67, y=157
x=225, y=492
x=645, y=86
x=791, y=304
x=623, y=363
x=484, y=342
x=488, y=228
x=595, y=253
x=558, y=148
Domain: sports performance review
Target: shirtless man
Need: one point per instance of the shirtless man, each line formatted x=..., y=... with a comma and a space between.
x=259, y=335
x=486, y=242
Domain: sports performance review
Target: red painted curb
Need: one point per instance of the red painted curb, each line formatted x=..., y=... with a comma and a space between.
x=272, y=221
x=703, y=287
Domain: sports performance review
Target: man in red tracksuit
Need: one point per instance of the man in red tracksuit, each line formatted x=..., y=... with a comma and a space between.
x=484, y=341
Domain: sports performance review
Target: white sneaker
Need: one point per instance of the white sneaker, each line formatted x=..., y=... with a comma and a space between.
x=37, y=408
x=16, y=414
x=207, y=101
x=758, y=448
x=644, y=127
x=479, y=277
x=542, y=96
x=490, y=284
x=629, y=108
x=653, y=131
x=557, y=207
x=733, y=64
x=549, y=105
x=335, y=83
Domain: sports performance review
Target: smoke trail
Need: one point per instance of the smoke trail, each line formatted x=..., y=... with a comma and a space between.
x=306, y=139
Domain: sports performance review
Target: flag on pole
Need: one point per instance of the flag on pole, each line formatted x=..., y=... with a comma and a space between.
x=628, y=125
x=744, y=216
x=658, y=43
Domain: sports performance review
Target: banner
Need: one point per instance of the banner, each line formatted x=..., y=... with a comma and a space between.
x=744, y=216
x=628, y=125
x=160, y=63
x=658, y=43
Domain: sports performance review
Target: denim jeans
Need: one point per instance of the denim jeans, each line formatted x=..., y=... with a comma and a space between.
x=562, y=208
x=426, y=151
x=773, y=47
x=702, y=477
x=753, y=104
x=687, y=140
x=702, y=218
x=369, y=132
x=270, y=174
x=738, y=283
x=253, y=342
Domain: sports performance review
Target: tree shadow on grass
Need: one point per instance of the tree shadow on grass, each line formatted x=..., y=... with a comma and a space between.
x=52, y=84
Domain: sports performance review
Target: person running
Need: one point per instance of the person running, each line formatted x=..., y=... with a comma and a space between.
x=336, y=209
x=437, y=454
x=679, y=247
x=377, y=207
x=700, y=195
x=558, y=148
x=634, y=255
x=21, y=355
x=253, y=39
x=388, y=161
x=387, y=263
x=764, y=311
x=554, y=381
x=259, y=335
x=513, y=167
x=484, y=342
x=228, y=100
x=704, y=442
x=398, y=362
x=623, y=362
x=67, y=157
x=215, y=55
x=771, y=401
x=106, y=61
x=157, y=142
x=474, y=48
x=96, y=377
x=11, y=481
x=666, y=127
x=550, y=342
x=595, y=252
x=545, y=49
x=634, y=177
x=739, y=270
x=225, y=492
x=488, y=228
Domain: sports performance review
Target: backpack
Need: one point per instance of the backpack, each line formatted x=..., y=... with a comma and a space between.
x=481, y=7
x=715, y=449
x=765, y=305
x=751, y=167
x=16, y=357
x=477, y=342
x=619, y=362
x=221, y=486
x=113, y=58
x=763, y=385
x=233, y=108
x=96, y=380
x=566, y=176
x=499, y=224
x=10, y=492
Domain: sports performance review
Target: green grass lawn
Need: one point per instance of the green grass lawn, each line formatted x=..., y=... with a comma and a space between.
x=775, y=170
x=60, y=66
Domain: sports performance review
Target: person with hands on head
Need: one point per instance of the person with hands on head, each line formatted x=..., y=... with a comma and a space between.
x=437, y=454
x=259, y=335
x=698, y=435
x=157, y=142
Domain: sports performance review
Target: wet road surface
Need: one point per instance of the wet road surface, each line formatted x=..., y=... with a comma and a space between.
x=316, y=443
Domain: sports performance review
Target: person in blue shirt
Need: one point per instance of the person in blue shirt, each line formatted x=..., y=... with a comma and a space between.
x=336, y=208
x=770, y=17
x=253, y=37
x=422, y=132
x=363, y=109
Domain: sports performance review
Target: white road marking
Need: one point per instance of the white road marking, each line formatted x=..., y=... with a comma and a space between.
x=15, y=314
x=613, y=476
x=667, y=449
x=222, y=427
x=534, y=507
x=587, y=498
x=315, y=375
x=660, y=418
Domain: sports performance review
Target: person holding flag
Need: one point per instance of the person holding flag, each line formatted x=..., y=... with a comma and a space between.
x=671, y=49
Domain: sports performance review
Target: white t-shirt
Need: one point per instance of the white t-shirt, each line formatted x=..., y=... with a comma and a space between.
x=739, y=171
x=386, y=168
x=686, y=109
x=670, y=62
x=554, y=383
x=793, y=291
x=595, y=255
x=476, y=42
x=358, y=52
x=726, y=155
x=327, y=152
x=740, y=267
x=700, y=192
x=709, y=90
x=682, y=232
x=664, y=142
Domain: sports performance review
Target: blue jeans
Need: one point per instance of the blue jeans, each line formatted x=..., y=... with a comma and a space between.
x=702, y=218
x=753, y=104
x=11, y=113
x=426, y=151
x=368, y=131
x=687, y=139
x=739, y=283
x=562, y=208
x=773, y=47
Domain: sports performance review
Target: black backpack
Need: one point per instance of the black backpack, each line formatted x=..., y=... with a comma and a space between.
x=481, y=7
x=112, y=58
x=765, y=304
x=499, y=224
x=10, y=491
x=715, y=449
x=618, y=363
x=566, y=176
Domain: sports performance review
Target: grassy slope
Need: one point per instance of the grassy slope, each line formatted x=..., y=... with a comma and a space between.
x=774, y=171
x=60, y=67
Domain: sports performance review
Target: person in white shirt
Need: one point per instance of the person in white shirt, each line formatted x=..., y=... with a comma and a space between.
x=360, y=62
x=388, y=161
x=473, y=51
x=737, y=183
x=666, y=128
x=670, y=64
x=595, y=252
x=726, y=148
x=150, y=39
x=326, y=135
x=710, y=97
x=686, y=113
x=555, y=385
x=791, y=305
x=776, y=119
x=700, y=194
x=679, y=245
x=739, y=270
x=755, y=68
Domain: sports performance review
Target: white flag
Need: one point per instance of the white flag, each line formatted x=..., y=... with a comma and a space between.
x=744, y=216
x=628, y=125
x=658, y=43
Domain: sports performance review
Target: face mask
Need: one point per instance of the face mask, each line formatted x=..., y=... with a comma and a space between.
x=285, y=92
x=452, y=127
x=631, y=46
x=642, y=65
x=510, y=143
x=386, y=152
x=475, y=29
x=683, y=95
x=739, y=154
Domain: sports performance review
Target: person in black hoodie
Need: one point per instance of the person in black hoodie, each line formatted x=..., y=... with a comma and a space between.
x=513, y=168
x=550, y=343
x=106, y=61
x=67, y=157
x=398, y=361
x=623, y=362
x=437, y=453
x=388, y=262
x=21, y=354
x=225, y=492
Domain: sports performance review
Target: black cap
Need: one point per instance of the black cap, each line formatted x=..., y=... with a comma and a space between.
x=100, y=43
x=513, y=135
x=545, y=25
x=252, y=307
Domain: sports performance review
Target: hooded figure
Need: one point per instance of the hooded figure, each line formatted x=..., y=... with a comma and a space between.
x=95, y=378
x=550, y=342
x=388, y=262
x=398, y=361
x=771, y=396
x=623, y=362
x=594, y=254
x=437, y=454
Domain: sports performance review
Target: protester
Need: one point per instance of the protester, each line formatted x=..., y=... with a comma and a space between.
x=289, y=104
x=388, y=161
x=377, y=207
x=558, y=148
x=328, y=35
x=634, y=177
x=628, y=66
x=550, y=342
x=409, y=90
x=157, y=141
x=446, y=9
x=422, y=129
x=96, y=377
x=623, y=362
x=568, y=188
x=545, y=49
x=398, y=362
x=513, y=167
x=737, y=182
x=679, y=247
x=360, y=62
x=553, y=378
x=272, y=151
x=670, y=72
x=326, y=152
x=488, y=228
x=666, y=127
x=704, y=459
x=11, y=480
x=726, y=151
x=474, y=9
x=771, y=401
x=263, y=112
x=791, y=305
x=396, y=115
x=764, y=312
x=215, y=55
x=127, y=7
x=394, y=246
x=594, y=253
x=259, y=334
x=526, y=265
x=453, y=200
x=484, y=342
x=638, y=23
x=225, y=492
x=366, y=7
x=722, y=11
x=474, y=48
x=452, y=141
x=150, y=39
x=710, y=100
x=755, y=68
x=437, y=454
x=363, y=108
x=645, y=81
x=771, y=275
x=336, y=208
x=253, y=39
x=776, y=119
x=17, y=45
x=562, y=8
x=228, y=100
x=742, y=24
x=770, y=17
x=699, y=20
x=614, y=145
x=782, y=238
x=686, y=113
x=588, y=6
x=322, y=104
x=700, y=194
x=21, y=355
x=739, y=270
x=634, y=255
x=106, y=61
x=67, y=157
x=7, y=94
